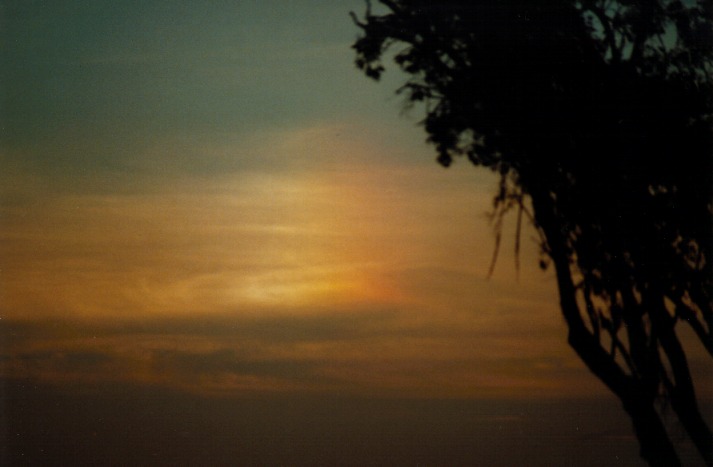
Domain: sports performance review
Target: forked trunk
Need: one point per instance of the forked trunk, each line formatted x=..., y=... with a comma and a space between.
x=655, y=446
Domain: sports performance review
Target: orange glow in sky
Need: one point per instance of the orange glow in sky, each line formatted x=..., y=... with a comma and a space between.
x=213, y=198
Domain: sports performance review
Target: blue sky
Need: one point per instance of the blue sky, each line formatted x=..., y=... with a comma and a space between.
x=116, y=77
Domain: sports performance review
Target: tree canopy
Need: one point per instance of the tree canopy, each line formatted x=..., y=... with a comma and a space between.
x=600, y=113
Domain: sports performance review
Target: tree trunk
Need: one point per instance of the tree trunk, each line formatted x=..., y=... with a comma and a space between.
x=681, y=392
x=690, y=417
x=655, y=446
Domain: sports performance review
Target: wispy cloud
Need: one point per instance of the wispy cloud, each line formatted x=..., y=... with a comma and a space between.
x=339, y=273
x=350, y=351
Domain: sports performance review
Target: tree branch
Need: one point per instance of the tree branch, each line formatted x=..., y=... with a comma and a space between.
x=609, y=33
x=687, y=314
x=683, y=396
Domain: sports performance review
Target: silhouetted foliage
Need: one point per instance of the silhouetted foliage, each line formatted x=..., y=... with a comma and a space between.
x=598, y=113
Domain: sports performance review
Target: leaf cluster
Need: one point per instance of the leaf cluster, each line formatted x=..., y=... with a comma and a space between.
x=602, y=109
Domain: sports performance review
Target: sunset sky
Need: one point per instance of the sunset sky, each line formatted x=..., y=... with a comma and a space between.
x=208, y=196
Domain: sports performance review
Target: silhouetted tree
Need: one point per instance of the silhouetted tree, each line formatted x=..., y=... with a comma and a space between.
x=598, y=113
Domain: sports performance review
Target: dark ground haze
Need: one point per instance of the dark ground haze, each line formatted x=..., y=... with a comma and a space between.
x=115, y=425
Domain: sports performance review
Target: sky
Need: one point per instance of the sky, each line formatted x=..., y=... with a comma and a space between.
x=210, y=197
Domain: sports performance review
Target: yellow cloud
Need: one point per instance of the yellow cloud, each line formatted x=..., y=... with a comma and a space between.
x=258, y=249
